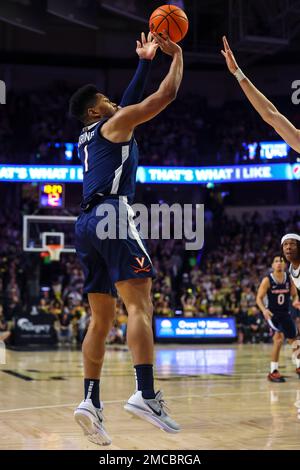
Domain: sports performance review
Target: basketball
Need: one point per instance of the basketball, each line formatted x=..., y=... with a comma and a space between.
x=169, y=18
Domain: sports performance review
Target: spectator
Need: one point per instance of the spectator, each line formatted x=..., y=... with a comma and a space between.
x=65, y=328
x=188, y=302
x=116, y=335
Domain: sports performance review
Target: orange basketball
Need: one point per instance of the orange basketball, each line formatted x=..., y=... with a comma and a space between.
x=169, y=18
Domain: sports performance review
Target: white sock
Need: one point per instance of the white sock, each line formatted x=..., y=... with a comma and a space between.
x=298, y=363
x=274, y=366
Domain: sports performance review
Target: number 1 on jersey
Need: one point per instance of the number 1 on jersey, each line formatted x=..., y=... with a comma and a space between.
x=86, y=156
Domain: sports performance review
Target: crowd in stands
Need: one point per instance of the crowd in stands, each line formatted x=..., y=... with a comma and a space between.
x=219, y=281
x=188, y=132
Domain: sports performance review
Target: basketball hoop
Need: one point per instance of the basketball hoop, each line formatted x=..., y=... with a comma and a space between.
x=54, y=251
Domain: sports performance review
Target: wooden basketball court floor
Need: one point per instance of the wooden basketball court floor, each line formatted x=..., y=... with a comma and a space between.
x=219, y=394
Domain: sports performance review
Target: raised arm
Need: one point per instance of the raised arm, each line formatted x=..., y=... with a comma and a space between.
x=146, y=50
x=119, y=128
x=263, y=106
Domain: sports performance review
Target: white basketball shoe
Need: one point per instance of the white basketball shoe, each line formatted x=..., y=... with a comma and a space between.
x=90, y=419
x=152, y=410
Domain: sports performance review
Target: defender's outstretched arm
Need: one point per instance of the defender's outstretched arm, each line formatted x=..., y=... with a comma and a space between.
x=263, y=106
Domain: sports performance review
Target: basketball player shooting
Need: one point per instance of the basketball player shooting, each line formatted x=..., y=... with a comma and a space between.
x=261, y=104
x=109, y=154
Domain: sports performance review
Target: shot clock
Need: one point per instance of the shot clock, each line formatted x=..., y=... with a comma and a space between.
x=52, y=195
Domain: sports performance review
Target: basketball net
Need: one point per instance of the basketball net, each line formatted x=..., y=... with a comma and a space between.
x=54, y=251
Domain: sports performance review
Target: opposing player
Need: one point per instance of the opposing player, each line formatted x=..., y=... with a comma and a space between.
x=109, y=155
x=291, y=252
x=273, y=299
x=263, y=106
x=290, y=245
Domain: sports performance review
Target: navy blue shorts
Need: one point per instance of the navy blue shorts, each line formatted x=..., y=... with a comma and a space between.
x=284, y=324
x=106, y=261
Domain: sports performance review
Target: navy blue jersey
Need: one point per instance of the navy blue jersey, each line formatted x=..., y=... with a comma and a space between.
x=108, y=167
x=279, y=295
